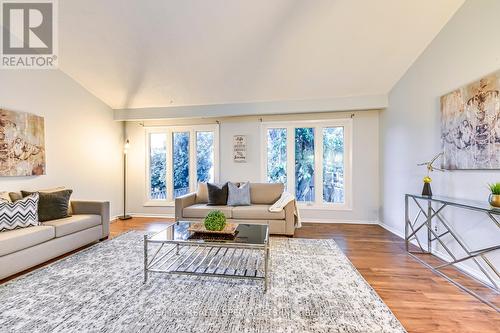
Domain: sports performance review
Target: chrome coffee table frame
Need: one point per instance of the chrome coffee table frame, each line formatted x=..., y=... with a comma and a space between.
x=226, y=259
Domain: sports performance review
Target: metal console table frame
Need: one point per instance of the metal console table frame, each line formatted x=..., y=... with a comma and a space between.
x=238, y=259
x=430, y=214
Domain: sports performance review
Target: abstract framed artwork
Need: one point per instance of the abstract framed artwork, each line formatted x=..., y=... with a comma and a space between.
x=22, y=144
x=470, y=126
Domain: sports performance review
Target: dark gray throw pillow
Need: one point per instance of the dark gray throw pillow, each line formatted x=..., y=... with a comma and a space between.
x=217, y=195
x=52, y=205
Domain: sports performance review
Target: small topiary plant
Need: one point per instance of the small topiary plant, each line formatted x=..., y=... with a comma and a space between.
x=494, y=188
x=215, y=221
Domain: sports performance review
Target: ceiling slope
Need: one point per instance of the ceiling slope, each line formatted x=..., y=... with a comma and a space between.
x=160, y=53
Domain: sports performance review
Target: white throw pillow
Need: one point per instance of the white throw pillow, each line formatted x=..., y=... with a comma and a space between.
x=238, y=196
x=20, y=214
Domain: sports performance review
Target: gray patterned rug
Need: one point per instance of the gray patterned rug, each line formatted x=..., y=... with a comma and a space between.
x=314, y=288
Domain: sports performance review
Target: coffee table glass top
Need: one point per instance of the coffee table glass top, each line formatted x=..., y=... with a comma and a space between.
x=256, y=234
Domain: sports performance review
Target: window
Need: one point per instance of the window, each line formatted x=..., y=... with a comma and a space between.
x=304, y=164
x=276, y=155
x=158, y=165
x=205, y=170
x=179, y=158
x=333, y=164
x=180, y=147
x=312, y=159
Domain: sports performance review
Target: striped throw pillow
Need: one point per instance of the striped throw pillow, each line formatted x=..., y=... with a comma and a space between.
x=20, y=214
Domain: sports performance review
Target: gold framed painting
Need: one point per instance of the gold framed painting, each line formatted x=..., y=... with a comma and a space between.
x=22, y=144
x=470, y=126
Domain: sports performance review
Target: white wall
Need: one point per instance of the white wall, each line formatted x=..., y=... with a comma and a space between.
x=83, y=143
x=365, y=163
x=465, y=50
x=230, y=170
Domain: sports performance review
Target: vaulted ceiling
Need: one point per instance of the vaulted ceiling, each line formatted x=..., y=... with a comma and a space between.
x=155, y=53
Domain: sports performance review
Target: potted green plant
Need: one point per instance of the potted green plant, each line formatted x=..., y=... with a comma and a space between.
x=495, y=194
x=215, y=221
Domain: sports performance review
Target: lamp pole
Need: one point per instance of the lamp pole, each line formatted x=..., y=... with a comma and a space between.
x=125, y=151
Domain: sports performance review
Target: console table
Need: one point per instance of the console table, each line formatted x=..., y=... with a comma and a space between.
x=429, y=217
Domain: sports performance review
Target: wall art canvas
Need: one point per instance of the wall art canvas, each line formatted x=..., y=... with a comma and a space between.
x=22, y=144
x=470, y=125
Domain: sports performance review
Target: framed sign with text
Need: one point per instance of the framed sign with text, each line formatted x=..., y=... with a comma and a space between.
x=240, y=148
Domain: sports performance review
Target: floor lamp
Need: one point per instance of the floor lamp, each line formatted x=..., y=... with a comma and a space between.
x=125, y=151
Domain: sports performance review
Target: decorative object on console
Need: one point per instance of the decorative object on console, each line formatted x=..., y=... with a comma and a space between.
x=427, y=190
x=470, y=125
x=240, y=148
x=20, y=214
x=494, y=197
x=52, y=205
x=22, y=144
x=217, y=195
x=126, y=146
x=215, y=220
x=238, y=195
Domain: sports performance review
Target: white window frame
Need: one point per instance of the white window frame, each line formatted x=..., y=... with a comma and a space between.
x=318, y=126
x=193, y=182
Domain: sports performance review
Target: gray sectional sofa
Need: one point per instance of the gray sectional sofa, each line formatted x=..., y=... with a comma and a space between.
x=21, y=249
x=193, y=207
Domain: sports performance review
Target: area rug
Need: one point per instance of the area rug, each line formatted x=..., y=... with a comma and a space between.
x=313, y=288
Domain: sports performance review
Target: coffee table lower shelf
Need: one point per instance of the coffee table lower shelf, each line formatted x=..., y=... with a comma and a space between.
x=235, y=261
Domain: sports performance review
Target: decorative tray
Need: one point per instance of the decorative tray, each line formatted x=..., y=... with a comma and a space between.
x=213, y=237
x=229, y=229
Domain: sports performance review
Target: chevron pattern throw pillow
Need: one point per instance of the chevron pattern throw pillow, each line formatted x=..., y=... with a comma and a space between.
x=20, y=214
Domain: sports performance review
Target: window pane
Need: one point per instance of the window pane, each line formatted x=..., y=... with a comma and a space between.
x=304, y=164
x=205, y=156
x=180, y=142
x=333, y=164
x=276, y=155
x=158, y=166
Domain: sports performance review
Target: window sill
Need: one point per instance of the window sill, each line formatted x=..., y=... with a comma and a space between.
x=342, y=207
x=158, y=203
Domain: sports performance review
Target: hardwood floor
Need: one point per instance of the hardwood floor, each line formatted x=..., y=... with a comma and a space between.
x=420, y=299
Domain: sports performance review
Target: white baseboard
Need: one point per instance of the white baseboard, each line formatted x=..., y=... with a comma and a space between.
x=113, y=218
x=163, y=216
x=336, y=221
x=392, y=230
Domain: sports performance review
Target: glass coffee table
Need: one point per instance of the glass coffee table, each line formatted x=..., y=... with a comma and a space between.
x=176, y=250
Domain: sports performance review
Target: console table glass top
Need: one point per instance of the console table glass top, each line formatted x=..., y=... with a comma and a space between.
x=464, y=203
